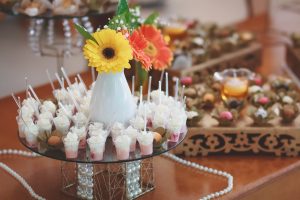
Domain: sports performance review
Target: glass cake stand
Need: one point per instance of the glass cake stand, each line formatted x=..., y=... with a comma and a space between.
x=109, y=178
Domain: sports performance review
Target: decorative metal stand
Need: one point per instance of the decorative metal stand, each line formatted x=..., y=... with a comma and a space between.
x=45, y=43
x=125, y=180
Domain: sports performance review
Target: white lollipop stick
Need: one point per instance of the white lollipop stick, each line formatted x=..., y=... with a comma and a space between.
x=80, y=79
x=149, y=88
x=34, y=94
x=132, y=86
x=63, y=82
x=176, y=88
x=93, y=74
x=182, y=93
x=26, y=83
x=59, y=81
x=145, y=119
x=167, y=84
x=50, y=80
x=19, y=100
x=141, y=95
x=73, y=99
x=66, y=76
x=159, y=89
x=16, y=101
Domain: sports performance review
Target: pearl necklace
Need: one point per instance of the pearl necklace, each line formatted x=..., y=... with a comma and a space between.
x=208, y=170
x=168, y=155
x=15, y=174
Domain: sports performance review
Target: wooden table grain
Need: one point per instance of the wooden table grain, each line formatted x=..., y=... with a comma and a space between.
x=255, y=176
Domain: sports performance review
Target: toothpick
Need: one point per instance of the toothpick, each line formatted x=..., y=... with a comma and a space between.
x=73, y=99
x=167, y=84
x=93, y=74
x=176, y=88
x=50, y=80
x=33, y=107
x=149, y=88
x=159, y=89
x=182, y=93
x=63, y=82
x=59, y=81
x=141, y=95
x=80, y=79
x=34, y=94
x=16, y=101
x=132, y=86
x=66, y=76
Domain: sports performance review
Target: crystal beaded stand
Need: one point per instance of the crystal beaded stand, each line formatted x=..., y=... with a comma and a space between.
x=126, y=180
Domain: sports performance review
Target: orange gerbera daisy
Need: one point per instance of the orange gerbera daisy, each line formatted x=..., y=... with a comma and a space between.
x=160, y=54
x=138, y=44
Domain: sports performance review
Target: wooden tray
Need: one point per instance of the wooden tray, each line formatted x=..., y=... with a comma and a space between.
x=279, y=141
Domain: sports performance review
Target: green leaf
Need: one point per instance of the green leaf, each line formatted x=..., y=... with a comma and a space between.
x=151, y=18
x=85, y=33
x=142, y=74
x=122, y=7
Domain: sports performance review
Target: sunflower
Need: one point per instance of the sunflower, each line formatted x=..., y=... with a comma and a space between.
x=160, y=54
x=139, y=44
x=111, y=53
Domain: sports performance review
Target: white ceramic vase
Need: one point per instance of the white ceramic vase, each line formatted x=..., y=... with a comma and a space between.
x=112, y=100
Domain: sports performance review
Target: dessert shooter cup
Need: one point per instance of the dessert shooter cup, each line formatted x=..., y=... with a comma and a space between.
x=63, y=128
x=20, y=127
x=96, y=149
x=146, y=143
x=174, y=137
x=71, y=149
x=31, y=139
x=122, y=144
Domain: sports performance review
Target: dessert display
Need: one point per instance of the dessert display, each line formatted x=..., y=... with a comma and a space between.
x=240, y=98
x=107, y=121
x=199, y=42
x=46, y=8
x=63, y=124
x=244, y=118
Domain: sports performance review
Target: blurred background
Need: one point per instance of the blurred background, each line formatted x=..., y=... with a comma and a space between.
x=18, y=61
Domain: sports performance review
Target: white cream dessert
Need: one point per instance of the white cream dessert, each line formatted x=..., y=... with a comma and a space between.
x=71, y=144
x=62, y=96
x=62, y=123
x=97, y=132
x=94, y=126
x=116, y=129
x=45, y=126
x=156, y=94
x=26, y=111
x=191, y=114
x=132, y=133
x=122, y=144
x=138, y=122
x=31, y=102
x=159, y=120
x=31, y=132
x=46, y=115
x=145, y=140
x=97, y=147
x=48, y=106
x=80, y=119
x=81, y=133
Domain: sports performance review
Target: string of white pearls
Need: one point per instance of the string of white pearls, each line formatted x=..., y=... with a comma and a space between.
x=15, y=174
x=205, y=169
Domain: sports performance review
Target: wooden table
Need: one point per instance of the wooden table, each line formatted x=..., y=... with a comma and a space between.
x=255, y=177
